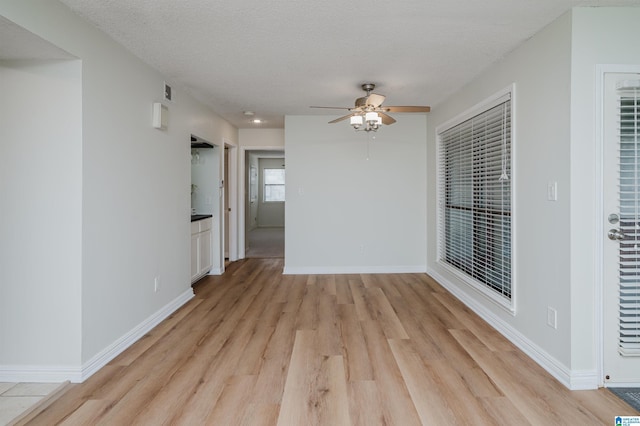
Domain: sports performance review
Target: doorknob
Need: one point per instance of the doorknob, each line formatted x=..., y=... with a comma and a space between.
x=615, y=235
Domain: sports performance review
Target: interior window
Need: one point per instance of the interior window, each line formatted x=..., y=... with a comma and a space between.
x=273, y=185
x=475, y=198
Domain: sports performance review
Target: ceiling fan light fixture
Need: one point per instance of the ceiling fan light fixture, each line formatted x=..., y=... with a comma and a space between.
x=368, y=114
x=371, y=121
x=372, y=117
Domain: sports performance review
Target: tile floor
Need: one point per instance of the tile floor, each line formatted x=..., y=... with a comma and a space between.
x=16, y=398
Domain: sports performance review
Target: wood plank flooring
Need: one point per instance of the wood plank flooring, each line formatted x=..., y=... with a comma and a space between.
x=256, y=347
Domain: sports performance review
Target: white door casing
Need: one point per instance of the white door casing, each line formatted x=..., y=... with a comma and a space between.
x=243, y=188
x=621, y=242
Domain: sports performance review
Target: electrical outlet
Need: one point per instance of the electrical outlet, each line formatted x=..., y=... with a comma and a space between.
x=156, y=284
x=552, y=317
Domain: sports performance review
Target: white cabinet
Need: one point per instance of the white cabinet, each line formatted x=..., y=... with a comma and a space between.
x=195, y=255
x=201, y=260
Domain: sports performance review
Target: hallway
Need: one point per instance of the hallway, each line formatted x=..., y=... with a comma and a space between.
x=265, y=243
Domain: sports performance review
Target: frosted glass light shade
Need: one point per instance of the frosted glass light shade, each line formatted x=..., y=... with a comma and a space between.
x=356, y=120
x=372, y=116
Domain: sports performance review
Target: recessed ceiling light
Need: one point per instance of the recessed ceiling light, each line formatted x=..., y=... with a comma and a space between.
x=249, y=113
x=256, y=121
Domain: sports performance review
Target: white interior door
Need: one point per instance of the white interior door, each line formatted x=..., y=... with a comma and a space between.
x=621, y=201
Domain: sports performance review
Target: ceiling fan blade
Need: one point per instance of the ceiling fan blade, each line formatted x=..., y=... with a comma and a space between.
x=375, y=100
x=361, y=102
x=330, y=107
x=407, y=108
x=386, y=119
x=342, y=118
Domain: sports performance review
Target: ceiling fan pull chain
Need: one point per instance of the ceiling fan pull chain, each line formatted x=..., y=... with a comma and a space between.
x=370, y=138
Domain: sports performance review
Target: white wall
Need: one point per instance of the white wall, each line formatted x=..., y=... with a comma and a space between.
x=556, y=262
x=261, y=138
x=541, y=70
x=135, y=183
x=600, y=36
x=40, y=213
x=354, y=204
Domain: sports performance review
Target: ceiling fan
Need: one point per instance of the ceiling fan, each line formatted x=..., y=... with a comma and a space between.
x=370, y=113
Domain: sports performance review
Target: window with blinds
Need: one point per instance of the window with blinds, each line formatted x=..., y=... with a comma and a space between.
x=629, y=199
x=273, y=185
x=475, y=198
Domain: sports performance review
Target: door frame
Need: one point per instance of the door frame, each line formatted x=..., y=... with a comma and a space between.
x=601, y=70
x=242, y=185
x=232, y=187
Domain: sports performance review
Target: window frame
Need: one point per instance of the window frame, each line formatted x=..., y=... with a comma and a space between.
x=508, y=93
x=265, y=185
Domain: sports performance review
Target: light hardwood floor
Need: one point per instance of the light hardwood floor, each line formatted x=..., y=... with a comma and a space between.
x=256, y=347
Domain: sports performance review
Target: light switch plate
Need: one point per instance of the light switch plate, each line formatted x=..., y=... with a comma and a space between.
x=552, y=317
x=552, y=191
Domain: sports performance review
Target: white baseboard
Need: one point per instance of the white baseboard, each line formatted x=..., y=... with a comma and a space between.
x=58, y=374
x=39, y=374
x=214, y=271
x=574, y=380
x=117, y=347
x=583, y=380
x=317, y=270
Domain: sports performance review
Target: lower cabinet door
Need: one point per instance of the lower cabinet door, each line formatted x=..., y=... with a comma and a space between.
x=206, y=261
x=195, y=256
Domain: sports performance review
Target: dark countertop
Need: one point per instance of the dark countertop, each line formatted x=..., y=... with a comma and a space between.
x=196, y=217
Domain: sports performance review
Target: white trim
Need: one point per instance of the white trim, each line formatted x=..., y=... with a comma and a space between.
x=316, y=270
x=574, y=380
x=598, y=265
x=496, y=99
x=232, y=188
x=501, y=302
x=212, y=271
x=40, y=374
x=583, y=380
x=242, y=204
x=499, y=97
x=58, y=374
x=120, y=345
x=599, y=228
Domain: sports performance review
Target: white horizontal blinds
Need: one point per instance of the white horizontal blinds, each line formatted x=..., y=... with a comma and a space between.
x=475, y=228
x=629, y=198
x=274, y=182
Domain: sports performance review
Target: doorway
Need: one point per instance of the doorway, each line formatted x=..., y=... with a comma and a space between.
x=620, y=283
x=263, y=188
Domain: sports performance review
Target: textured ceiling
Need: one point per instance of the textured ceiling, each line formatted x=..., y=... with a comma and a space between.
x=278, y=57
